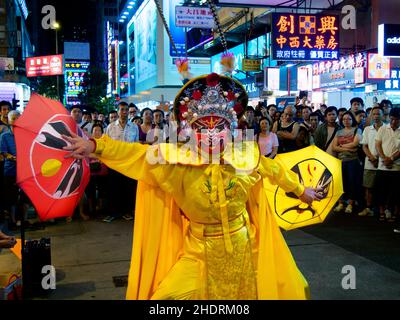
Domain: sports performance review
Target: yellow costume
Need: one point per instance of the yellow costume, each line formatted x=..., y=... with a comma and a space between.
x=205, y=231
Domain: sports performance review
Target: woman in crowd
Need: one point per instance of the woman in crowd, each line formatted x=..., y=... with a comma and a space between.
x=346, y=143
x=267, y=141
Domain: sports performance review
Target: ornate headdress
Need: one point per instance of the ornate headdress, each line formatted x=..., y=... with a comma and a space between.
x=211, y=101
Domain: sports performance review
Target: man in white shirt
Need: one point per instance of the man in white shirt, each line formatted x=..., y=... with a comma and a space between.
x=388, y=146
x=371, y=160
x=122, y=189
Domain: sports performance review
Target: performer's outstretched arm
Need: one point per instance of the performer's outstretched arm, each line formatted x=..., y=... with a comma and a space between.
x=126, y=158
x=286, y=179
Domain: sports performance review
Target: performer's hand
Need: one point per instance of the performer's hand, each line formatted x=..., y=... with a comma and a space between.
x=80, y=148
x=310, y=194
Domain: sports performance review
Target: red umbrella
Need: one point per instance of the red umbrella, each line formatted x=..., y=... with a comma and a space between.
x=54, y=184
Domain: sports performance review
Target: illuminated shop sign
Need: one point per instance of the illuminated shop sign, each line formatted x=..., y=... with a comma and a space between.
x=392, y=84
x=44, y=66
x=297, y=37
x=74, y=77
x=194, y=17
x=348, y=70
x=389, y=40
x=378, y=66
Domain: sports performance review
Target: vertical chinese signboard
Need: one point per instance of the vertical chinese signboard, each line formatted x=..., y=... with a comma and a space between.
x=302, y=37
x=74, y=77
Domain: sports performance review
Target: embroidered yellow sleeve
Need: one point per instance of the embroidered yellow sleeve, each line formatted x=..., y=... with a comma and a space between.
x=278, y=175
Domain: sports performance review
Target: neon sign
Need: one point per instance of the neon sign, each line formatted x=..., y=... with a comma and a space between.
x=297, y=37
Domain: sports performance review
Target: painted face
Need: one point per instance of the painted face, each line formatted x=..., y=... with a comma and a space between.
x=211, y=133
x=311, y=173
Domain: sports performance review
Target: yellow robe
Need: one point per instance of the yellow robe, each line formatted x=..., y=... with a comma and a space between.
x=205, y=231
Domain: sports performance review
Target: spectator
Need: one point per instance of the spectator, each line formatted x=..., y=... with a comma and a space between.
x=96, y=190
x=133, y=111
x=323, y=108
x=361, y=117
x=346, y=144
x=5, y=108
x=267, y=141
x=76, y=114
x=112, y=116
x=387, y=107
x=101, y=117
x=87, y=122
x=147, y=120
x=137, y=120
x=121, y=187
x=341, y=111
x=9, y=150
x=356, y=104
x=371, y=162
x=287, y=130
x=388, y=176
x=326, y=132
x=159, y=131
x=272, y=109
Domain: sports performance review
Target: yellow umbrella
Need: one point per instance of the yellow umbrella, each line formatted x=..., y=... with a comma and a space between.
x=314, y=168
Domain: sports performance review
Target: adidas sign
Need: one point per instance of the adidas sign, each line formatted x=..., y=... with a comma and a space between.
x=393, y=40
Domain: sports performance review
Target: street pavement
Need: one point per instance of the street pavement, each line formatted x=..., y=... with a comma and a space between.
x=90, y=256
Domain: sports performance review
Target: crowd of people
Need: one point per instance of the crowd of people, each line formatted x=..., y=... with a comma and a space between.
x=367, y=141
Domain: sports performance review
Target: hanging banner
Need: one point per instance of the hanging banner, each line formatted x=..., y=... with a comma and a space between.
x=301, y=37
x=194, y=17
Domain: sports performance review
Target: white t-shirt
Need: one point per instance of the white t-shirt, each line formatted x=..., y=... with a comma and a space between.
x=266, y=144
x=390, y=144
x=368, y=138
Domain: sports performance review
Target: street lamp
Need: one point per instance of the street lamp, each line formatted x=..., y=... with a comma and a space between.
x=56, y=26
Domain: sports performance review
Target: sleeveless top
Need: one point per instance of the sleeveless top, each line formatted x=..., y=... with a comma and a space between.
x=286, y=145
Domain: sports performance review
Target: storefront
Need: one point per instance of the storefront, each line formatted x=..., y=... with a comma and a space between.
x=341, y=80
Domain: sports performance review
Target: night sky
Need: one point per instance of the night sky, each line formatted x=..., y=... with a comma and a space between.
x=69, y=13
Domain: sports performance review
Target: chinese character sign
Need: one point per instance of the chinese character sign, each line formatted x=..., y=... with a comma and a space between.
x=305, y=37
x=194, y=17
x=74, y=77
x=44, y=66
x=349, y=70
x=391, y=84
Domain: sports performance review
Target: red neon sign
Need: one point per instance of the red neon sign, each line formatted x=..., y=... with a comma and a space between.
x=44, y=66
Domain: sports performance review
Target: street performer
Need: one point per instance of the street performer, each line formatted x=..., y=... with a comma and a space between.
x=203, y=226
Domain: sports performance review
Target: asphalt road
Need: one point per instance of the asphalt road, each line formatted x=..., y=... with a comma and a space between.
x=347, y=257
